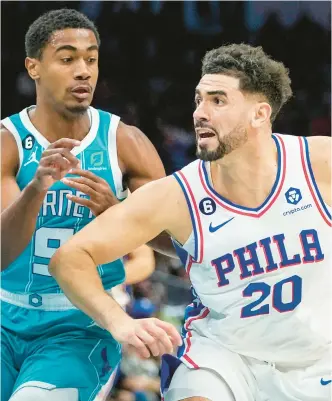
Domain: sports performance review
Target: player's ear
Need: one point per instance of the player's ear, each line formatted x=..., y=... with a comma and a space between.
x=261, y=114
x=32, y=66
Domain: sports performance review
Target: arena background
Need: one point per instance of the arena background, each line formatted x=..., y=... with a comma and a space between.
x=149, y=65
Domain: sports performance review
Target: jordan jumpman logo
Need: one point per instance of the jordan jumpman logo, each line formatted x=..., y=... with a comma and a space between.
x=32, y=158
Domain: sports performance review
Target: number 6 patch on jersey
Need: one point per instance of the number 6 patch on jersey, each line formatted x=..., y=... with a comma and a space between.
x=28, y=142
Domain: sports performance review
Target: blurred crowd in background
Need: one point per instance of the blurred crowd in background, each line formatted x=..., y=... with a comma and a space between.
x=149, y=65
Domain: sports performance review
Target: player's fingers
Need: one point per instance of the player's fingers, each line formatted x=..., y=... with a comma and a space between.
x=148, y=340
x=140, y=348
x=65, y=153
x=162, y=349
x=171, y=331
x=56, y=161
x=81, y=201
x=160, y=335
x=53, y=172
x=80, y=187
x=83, y=181
x=87, y=174
x=68, y=143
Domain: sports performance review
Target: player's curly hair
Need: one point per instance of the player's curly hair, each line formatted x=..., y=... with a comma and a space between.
x=41, y=30
x=257, y=72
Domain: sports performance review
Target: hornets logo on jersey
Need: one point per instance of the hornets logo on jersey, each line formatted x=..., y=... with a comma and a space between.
x=59, y=218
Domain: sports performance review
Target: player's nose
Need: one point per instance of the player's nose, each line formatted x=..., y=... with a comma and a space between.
x=201, y=112
x=82, y=70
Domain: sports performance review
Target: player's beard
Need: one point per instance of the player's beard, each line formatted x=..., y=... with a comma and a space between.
x=78, y=110
x=229, y=142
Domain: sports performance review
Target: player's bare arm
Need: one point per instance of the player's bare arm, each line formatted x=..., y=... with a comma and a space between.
x=139, y=163
x=17, y=225
x=138, y=158
x=139, y=264
x=155, y=207
x=320, y=157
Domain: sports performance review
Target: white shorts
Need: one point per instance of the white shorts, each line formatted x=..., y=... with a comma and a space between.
x=247, y=379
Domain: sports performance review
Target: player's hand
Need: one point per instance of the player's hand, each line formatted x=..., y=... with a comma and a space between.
x=147, y=336
x=100, y=194
x=55, y=163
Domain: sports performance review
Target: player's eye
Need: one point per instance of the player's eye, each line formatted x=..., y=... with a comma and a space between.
x=197, y=101
x=66, y=60
x=218, y=101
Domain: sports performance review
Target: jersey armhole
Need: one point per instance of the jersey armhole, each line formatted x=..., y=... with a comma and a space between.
x=195, y=219
x=7, y=123
x=113, y=156
x=311, y=182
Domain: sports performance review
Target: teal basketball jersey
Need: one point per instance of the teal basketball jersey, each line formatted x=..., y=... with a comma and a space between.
x=60, y=218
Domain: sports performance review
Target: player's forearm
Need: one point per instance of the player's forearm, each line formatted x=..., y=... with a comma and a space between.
x=77, y=275
x=18, y=222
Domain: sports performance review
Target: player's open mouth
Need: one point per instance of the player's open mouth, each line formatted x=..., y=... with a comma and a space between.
x=81, y=92
x=206, y=134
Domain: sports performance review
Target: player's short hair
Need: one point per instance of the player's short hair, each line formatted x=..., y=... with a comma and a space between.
x=257, y=72
x=41, y=30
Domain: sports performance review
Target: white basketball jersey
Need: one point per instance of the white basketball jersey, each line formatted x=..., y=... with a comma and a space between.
x=261, y=276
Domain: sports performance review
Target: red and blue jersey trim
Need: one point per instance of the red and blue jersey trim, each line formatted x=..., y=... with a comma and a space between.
x=192, y=313
x=242, y=210
x=185, y=258
x=194, y=214
x=309, y=176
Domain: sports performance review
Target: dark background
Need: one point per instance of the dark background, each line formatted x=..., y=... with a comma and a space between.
x=151, y=55
x=150, y=62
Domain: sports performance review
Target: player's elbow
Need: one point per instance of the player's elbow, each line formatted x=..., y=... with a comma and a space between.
x=57, y=261
x=65, y=260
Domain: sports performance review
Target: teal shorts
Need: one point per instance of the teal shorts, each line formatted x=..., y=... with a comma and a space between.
x=62, y=348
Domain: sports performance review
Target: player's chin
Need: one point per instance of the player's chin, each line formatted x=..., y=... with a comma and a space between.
x=209, y=154
x=77, y=109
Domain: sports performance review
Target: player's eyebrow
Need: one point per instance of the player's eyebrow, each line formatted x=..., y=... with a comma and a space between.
x=212, y=93
x=74, y=49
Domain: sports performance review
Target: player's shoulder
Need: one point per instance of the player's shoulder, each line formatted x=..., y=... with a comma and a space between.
x=129, y=133
x=4, y=131
x=137, y=154
x=7, y=137
x=9, y=152
x=320, y=156
x=320, y=149
x=319, y=145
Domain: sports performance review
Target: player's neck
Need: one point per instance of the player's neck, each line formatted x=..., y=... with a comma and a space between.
x=246, y=176
x=53, y=125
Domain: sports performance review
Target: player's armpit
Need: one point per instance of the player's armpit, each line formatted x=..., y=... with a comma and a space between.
x=320, y=158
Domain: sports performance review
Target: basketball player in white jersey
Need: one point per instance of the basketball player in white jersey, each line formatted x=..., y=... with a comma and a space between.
x=251, y=220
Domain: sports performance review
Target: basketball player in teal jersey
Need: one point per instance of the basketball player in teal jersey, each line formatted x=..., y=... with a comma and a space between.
x=63, y=162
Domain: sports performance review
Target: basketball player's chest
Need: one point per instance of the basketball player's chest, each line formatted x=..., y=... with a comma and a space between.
x=241, y=249
x=56, y=205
